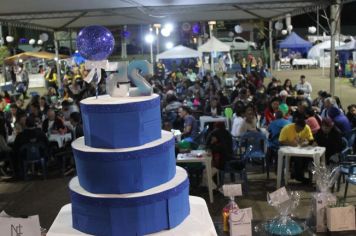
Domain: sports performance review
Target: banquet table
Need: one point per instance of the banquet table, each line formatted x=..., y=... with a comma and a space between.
x=60, y=139
x=305, y=62
x=198, y=223
x=211, y=119
x=204, y=158
x=316, y=153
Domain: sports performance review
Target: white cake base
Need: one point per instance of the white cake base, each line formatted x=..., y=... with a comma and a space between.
x=198, y=223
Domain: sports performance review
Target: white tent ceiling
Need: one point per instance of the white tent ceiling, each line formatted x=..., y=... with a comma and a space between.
x=56, y=14
x=178, y=52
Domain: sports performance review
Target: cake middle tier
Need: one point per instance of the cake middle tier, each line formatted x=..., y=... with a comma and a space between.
x=125, y=170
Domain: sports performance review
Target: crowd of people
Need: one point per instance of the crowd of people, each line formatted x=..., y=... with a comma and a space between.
x=285, y=112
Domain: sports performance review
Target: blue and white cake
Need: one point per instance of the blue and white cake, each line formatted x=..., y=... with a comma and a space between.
x=127, y=184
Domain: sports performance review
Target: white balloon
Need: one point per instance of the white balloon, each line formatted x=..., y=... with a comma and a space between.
x=238, y=29
x=284, y=32
x=290, y=27
x=231, y=34
x=312, y=29
x=44, y=37
x=9, y=39
x=32, y=41
x=165, y=32
x=39, y=42
x=278, y=25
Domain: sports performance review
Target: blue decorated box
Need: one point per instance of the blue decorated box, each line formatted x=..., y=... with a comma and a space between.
x=121, y=122
x=159, y=208
x=125, y=170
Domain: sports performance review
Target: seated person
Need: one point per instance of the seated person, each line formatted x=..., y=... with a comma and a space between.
x=53, y=124
x=297, y=134
x=249, y=122
x=213, y=108
x=30, y=134
x=75, y=120
x=329, y=137
x=219, y=142
x=340, y=120
x=190, y=124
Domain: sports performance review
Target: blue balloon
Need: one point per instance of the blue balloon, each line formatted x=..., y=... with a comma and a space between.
x=78, y=59
x=95, y=43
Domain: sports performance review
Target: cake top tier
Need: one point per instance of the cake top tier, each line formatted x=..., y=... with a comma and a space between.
x=107, y=100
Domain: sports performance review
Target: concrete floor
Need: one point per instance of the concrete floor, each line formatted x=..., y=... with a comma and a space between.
x=46, y=197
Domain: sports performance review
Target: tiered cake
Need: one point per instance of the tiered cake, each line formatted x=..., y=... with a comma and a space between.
x=127, y=184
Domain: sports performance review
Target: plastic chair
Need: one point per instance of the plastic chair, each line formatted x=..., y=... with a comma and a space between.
x=237, y=165
x=254, y=148
x=34, y=153
x=346, y=160
x=350, y=178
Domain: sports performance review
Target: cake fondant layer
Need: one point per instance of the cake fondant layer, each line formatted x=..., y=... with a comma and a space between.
x=116, y=171
x=121, y=122
x=159, y=208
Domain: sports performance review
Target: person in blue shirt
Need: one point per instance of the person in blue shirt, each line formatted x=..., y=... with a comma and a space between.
x=274, y=130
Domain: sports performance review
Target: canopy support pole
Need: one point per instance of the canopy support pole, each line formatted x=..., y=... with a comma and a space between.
x=334, y=18
x=270, y=46
x=56, y=48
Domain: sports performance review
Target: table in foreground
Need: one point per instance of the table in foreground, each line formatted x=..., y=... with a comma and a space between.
x=316, y=153
x=204, y=158
x=198, y=223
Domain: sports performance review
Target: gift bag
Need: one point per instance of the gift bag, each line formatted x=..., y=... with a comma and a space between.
x=240, y=222
x=11, y=226
x=341, y=218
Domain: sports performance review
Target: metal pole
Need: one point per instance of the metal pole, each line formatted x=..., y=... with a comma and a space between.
x=151, y=49
x=317, y=22
x=70, y=42
x=157, y=40
x=270, y=45
x=212, y=67
x=123, y=43
x=57, y=61
x=334, y=15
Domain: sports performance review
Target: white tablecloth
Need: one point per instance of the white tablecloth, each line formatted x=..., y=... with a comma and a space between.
x=304, y=62
x=61, y=139
x=198, y=223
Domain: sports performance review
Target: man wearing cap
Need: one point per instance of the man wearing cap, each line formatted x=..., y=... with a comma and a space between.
x=329, y=137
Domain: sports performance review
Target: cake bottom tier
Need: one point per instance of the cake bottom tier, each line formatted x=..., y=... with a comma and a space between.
x=198, y=223
x=132, y=214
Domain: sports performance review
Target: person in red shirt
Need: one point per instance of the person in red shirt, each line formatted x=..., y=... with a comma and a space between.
x=271, y=111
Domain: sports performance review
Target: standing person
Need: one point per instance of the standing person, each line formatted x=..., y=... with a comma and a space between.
x=24, y=79
x=297, y=134
x=190, y=124
x=51, y=78
x=304, y=86
x=75, y=120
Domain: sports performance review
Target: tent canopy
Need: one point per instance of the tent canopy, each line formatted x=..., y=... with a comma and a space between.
x=27, y=55
x=179, y=52
x=350, y=46
x=56, y=14
x=315, y=51
x=214, y=45
x=294, y=41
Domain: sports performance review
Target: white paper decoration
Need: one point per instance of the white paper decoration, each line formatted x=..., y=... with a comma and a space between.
x=32, y=41
x=290, y=27
x=231, y=34
x=284, y=32
x=39, y=42
x=312, y=29
x=186, y=26
x=238, y=29
x=9, y=39
x=278, y=25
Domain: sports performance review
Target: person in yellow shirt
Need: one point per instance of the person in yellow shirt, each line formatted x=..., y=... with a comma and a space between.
x=297, y=134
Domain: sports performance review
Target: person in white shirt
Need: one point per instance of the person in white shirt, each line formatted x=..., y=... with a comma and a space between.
x=305, y=86
x=191, y=75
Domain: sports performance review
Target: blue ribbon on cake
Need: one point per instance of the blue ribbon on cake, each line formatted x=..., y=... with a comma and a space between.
x=131, y=216
x=121, y=125
x=125, y=172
